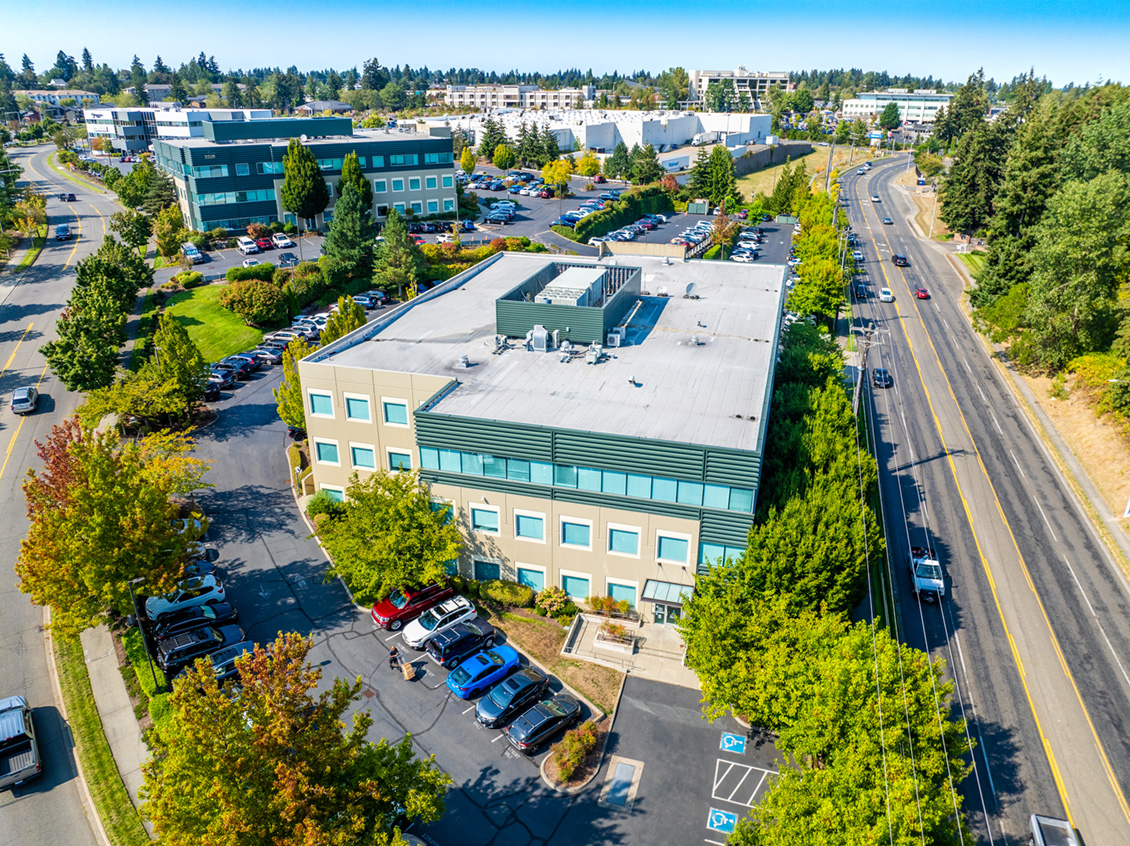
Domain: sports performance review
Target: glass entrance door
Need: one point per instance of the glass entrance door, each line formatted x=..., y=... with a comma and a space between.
x=667, y=615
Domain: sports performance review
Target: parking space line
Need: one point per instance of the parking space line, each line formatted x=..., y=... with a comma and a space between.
x=741, y=781
x=721, y=775
x=497, y=738
x=391, y=636
x=470, y=708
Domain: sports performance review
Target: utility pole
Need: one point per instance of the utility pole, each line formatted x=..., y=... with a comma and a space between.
x=934, y=185
x=866, y=339
x=828, y=178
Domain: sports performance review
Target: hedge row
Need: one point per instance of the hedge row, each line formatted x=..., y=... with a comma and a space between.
x=631, y=206
x=264, y=272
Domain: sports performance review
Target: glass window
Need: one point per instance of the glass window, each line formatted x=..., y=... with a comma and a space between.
x=429, y=458
x=378, y=161
x=531, y=578
x=414, y=184
x=417, y=207
x=449, y=205
x=588, y=479
x=716, y=496
x=363, y=457
x=486, y=571
x=326, y=452
x=741, y=500
x=243, y=170
x=380, y=186
x=409, y=159
x=321, y=404
x=673, y=549
x=399, y=207
x=433, y=206
x=614, y=483
x=446, y=507
x=575, y=534
x=361, y=160
x=494, y=467
x=690, y=493
x=576, y=586
x=398, y=185
x=517, y=470
x=430, y=183
x=665, y=490
x=356, y=408
x=564, y=476
x=448, y=182
x=336, y=496
x=527, y=526
x=449, y=461
x=396, y=413
x=622, y=593
x=473, y=463
x=639, y=486
x=624, y=541
x=399, y=461
x=484, y=519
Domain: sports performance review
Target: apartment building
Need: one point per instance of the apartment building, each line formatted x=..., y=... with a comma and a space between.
x=919, y=106
x=55, y=96
x=487, y=97
x=750, y=86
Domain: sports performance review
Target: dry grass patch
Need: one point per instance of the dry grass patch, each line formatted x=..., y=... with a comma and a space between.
x=542, y=640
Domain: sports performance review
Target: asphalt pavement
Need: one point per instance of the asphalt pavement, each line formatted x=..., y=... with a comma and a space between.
x=1037, y=616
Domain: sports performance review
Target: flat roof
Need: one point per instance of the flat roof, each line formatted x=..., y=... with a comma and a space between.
x=691, y=370
x=358, y=135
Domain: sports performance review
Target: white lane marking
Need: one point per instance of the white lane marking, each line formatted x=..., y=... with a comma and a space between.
x=967, y=367
x=1071, y=570
x=1050, y=529
x=1018, y=467
x=470, y=708
x=947, y=324
x=995, y=423
x=955, y=343
x=982, y=393
x=391, y=636
x=500, y=736
x=1109, y=646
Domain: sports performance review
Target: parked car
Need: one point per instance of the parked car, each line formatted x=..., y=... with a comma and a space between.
x=222, y=376
x=267, y=355
x=288, y=260
x=450, y=648
x=921, y=293
x=482, y=671
x=19, y=749
x=857, y=255
x=179, y=650
x=368, y=302
x=281, y=240
x=211, y=391
x=251, y=262
x=881, y=378
x=861, y=292
x=264, y=243
x=885, y=295
x=538, y=724
x=25, y=400
x=62, y=232
x=510, y=697
x=200, y=591
x=195, y=617
x=244, y=358
x=900, y=261
x=406, y=604
x=437, y=619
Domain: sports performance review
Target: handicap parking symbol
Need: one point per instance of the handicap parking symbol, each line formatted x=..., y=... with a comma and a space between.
x=722, y=821
x=732, y=743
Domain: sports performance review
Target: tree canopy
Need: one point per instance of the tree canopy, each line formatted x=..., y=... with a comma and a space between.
x=303, y=192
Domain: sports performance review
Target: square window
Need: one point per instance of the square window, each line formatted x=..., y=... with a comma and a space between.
x=741, y=500
x=639, y=486
x=430, y=183
x=541, y=472
x=473, y=463
x=363, y=458
x=577, y=586
x=336, y=494
x=448, y=182
x=449, y=205
x=531, y=578
x=588, y=479
x=675, y=550
x=486, y=571
x=429, y=458
x=494, y=467
x=576, y=534
x=357, y=408
x=614, y=483
x=398, y=185
x=417, y=207
x=243, y=170
x=449, y=461
x=380, y=186
x=414, y=184
x=396, y=413
x=321, y=404
x=399, y=207
x=326, y=452
x=484, y=519
x=690, y=493
x=446, y=507
x=529, y=527
x=399, y=460
x=622, y=593
x=716, y=496
x=624, y=541
x=564, y=476
x=517, y=470
x=433, y=206
x=664, y=490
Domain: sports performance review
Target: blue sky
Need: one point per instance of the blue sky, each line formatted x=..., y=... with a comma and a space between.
x=1065, y=41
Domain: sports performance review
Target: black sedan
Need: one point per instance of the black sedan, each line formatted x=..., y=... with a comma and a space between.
x=538, y=724
x=511, y=696
x=881, y=378
x=196, y=617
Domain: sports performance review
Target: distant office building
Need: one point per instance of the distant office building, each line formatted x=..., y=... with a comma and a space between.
x=54, y=97
x=920, y=106
x=750, y=86
x=134, y=129
x=316, y=107
x=159, y=91
x=588, y=426
x=488, y=97
x=231, y=176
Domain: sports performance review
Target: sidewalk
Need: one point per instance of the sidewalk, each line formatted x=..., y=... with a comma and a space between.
x=18, y=254
x=114, y=708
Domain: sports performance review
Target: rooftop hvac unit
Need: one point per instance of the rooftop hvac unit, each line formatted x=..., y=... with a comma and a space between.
x=463, y=362
x=594, y=354
x=613, y=339
x=555, y=338
x=540, y=338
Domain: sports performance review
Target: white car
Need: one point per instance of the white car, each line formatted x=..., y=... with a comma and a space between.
x=281, y=239
x=875, y=198
x=885, y=295
x=857, y=255
x=437, y=619
x=196, y=591
x=250, y=262
x=445, y=238
x=742, y=257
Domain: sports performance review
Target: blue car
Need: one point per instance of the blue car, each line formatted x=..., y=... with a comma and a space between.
x=481, y=671
x=517, y=187
x=566, y=221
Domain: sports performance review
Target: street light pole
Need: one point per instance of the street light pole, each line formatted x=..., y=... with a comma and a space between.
x=137, y=619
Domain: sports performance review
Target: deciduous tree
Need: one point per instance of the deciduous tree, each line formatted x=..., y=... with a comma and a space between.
x=588, y=164
x=258, y=302
x=350, y=315
x=503, y=157
x=133, y=228
x=467, y=161
x=889, y=118
x=289, y=401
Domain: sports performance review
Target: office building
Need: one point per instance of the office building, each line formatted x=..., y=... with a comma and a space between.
x=749, y=86
x=56, y=96
x=594, y=424
x=920, y=106
x=230, y=176
x=134, y=129
x=487, y=97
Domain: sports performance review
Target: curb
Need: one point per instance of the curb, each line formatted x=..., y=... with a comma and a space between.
x=90, y=811
x=572, y=790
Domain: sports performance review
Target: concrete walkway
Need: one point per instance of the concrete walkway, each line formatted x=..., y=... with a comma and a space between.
x=114, y=708
x=658, y=655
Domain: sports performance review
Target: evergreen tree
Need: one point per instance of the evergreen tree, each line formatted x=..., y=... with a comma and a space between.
x=493, y=135
x=890, y=119
x=87, y=61
x=350, y=240
x=232, y=95
x=177, y=92
x=968, y=191
x=722, y=183
x=645, y=166
x=619, y=164
x=177, y=360
x=160, y=194
x=351, y=175
x=399, y=262
x=304, y=192
x=138, y=78
x=551, y=150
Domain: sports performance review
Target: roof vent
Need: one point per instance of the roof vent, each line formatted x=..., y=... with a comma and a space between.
x=463, y=362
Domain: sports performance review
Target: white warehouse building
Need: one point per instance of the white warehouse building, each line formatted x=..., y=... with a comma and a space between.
x=919, y=106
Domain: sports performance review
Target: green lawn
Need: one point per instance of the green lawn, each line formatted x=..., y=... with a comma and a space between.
x=974, y=261
x=36, y=248
x=67, y=173
x=216, y=331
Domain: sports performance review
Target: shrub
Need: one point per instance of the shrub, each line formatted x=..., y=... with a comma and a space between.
x=219, y=235
x=507, y=593
x=259, y=303
x=258, y=230
x=264, y=272
x=631, y=206
x=570, y=752
x=162, y=713
x=290, y=228
x=565, y=615
x=322, y=503
x=554, y=602
x=190, y=279
x=608, y=606
x=281, y=276
x=471, y=588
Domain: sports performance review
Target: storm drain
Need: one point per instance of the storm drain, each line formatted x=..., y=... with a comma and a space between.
x=620, y=784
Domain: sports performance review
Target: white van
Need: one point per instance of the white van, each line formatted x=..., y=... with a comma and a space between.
x=191, y=253
x=246, y=245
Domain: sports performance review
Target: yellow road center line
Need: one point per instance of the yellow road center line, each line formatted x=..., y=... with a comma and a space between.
x=8, y=363
x=16, y=434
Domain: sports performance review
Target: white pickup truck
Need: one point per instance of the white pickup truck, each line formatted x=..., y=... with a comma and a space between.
x=19, y=751
x=926, y=576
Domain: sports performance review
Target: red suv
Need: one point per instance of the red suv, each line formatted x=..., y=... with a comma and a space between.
x=404, y=605
x=264, y=243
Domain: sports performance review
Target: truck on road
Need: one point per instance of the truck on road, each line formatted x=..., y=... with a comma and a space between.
x=1048, y=831
x=926, y=576
x=19, y=751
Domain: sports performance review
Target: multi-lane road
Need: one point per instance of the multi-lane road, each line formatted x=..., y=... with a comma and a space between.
x=1036, y=625
x=47, y=810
